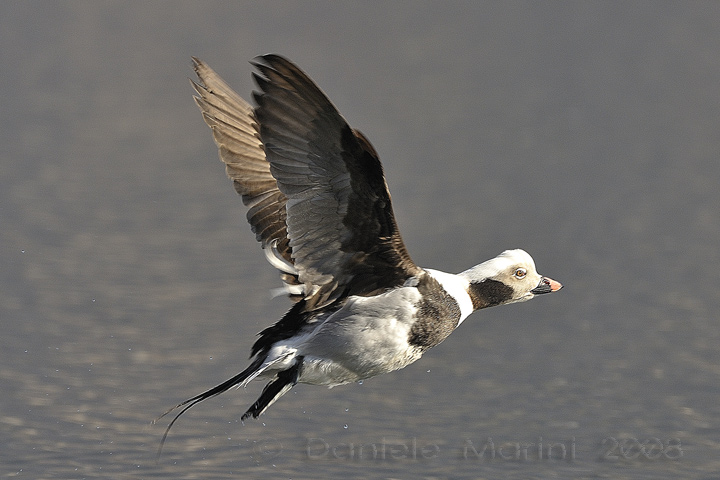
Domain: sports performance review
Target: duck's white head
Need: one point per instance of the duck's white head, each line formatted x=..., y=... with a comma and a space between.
x=508, y=278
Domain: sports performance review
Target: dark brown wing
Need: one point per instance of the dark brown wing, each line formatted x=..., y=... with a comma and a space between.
x=236, y=135
x=340, y=223
x=315, y=188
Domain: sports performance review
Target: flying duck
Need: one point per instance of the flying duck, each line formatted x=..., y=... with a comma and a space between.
x=319, y=205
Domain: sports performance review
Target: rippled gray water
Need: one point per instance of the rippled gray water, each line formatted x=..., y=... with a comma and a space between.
x=585, y=133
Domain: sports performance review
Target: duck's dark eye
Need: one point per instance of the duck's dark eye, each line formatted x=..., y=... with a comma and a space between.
x=520, y=273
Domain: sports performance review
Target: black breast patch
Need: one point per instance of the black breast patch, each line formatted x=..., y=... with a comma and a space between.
x=438, y=315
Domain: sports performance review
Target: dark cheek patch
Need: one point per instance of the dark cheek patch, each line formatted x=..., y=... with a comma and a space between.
x=489, y=293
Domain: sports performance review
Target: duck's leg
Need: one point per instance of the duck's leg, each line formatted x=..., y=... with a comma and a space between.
x=284, y=381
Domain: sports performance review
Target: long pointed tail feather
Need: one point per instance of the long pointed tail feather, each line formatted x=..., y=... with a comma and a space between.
x=241, y=378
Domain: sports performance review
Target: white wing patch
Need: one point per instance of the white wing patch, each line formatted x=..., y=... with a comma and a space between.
x=277, y=261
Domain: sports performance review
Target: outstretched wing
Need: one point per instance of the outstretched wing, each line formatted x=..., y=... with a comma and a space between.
x=315, y=187
x=237, y=136
x=340, y=223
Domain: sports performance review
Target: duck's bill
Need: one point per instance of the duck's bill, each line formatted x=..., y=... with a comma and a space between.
x=546, y=285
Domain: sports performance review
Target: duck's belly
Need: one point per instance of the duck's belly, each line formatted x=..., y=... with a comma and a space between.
x=348, y=369
x=367, y=337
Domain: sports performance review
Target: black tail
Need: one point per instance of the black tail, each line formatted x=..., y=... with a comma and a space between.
x=217, y=390
x=285, y=380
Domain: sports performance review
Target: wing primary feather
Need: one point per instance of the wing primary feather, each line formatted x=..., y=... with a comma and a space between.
x=315, y=188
